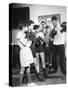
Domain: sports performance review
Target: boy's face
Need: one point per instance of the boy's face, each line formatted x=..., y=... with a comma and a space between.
x=38, y=30
x=48, y=29
x=54, y=23
x=25, y=29
x=31, y=26
x=43, y=25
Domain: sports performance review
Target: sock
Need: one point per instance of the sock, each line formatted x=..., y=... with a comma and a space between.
x=29, y=77
x=37, y=69
x=21, y=78
x=36, y=65
x=43, y=65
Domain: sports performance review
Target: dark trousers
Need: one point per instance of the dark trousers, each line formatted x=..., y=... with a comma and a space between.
x=47, y=54
x=59, y=50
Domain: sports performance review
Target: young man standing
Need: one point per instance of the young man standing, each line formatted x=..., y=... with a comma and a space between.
x=58, y=45
x=48, y=47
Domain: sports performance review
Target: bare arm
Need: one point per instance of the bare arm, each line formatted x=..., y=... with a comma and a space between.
x=21, y=42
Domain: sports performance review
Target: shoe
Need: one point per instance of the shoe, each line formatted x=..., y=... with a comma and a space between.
x=40, y=77
x=64, y=77
x=32, y=84
x=50, y=66
x=52, y=72
x=44, y=73
x=47, y=65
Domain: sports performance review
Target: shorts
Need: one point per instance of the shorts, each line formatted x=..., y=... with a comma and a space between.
x=39, y=49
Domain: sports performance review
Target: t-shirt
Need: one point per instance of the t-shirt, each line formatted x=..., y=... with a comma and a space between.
x=40, y=34
x=59, y=38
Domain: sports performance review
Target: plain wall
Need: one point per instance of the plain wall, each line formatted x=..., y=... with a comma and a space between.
x=38, y=10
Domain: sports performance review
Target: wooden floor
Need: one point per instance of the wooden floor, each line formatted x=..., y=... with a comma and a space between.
x=55, y=78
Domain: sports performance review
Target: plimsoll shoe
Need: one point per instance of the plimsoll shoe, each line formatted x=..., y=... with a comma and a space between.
x=32, y=84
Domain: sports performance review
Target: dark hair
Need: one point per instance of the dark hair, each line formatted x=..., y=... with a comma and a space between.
x=63, y=25
x=30, y=22
x=22, y=24
x=36, y=27
x=43, y=22
x=54, y=18
x=47, y=26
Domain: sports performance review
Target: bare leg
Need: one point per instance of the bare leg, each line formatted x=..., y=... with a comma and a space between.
x=37, y=62
x=43, y=59
x=43, y=64
x=38, y=68
x=36, y=65
x=29, y=75
x=21, y=74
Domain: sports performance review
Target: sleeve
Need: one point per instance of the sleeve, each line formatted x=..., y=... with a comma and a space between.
x=21, y=40
x=18, y=35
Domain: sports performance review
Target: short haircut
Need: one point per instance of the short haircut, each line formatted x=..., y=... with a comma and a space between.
x=36, y=27
x=47, y=26
x=22, y=24
x=43, y=22
x=54, y=18
x=29, y=22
